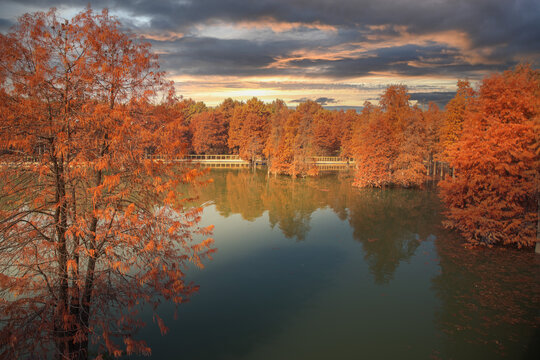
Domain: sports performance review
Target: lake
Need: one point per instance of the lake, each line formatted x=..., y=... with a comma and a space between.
x=316, y=269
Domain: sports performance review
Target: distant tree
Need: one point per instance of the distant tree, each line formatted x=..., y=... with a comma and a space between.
x=456, y=110
x=394, y=103
x=326, y=132
x=172, y=112
x=375, y=150
x=433, y=121
x=227, y=108
x=347, y=123
x=390, y=146
x=191, y=108
x=295, y=148
x=249, y=128
x=210, y=132
x=409, y=166
x=89, y=228
x=279, y=114
x=494, y=196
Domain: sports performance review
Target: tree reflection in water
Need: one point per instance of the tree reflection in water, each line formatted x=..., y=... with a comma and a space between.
x=460, y=303
x=390, y=225
x=291, y=202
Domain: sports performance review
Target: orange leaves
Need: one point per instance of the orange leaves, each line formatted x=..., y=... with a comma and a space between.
x=249, y=127
x=121, y=267
x=88, y=227
x=162, y=328
x=150, y=245
x=136, y=347
x=313, y=171
x=129, y=212
x=390, y=143
x=205, y=244
x=207, y=230
x=202, y=250
x=293, y=146
x=456, y=111
x=210, y=132
x=173, y=228
x=111, y=181
x=171, y=198
x=71, y=265
x=492, y=199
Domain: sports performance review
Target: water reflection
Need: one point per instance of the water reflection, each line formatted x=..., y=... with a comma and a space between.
x=489, y=301
x=409, y=291
x=316, y=269
x=389, y=224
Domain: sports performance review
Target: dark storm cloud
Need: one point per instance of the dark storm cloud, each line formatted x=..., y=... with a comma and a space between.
x=209, y=56
x=326, y=101
x=493, y=20
x=321, y=100
x=395, y=60
x=441, y=98
x=495, y=32
x=5, y=24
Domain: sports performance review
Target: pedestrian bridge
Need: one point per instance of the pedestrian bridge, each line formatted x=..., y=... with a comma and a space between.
x=324, y=163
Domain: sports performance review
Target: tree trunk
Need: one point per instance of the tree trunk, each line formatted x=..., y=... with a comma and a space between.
x=81, y=352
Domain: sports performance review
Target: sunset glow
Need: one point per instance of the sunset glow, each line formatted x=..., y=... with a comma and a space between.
x=344, y=51
x=281, y=165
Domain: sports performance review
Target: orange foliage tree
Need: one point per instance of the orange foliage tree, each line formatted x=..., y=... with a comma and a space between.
x=433, y=120
x=348, y=121
x=374, y=147
x=326, y=132
x=452, y=124
x=390, y=144
x=89, y=228
x=295, y=149
x=493, y=198
x=279, y=114
x=210, y=132
x=175, y=113
x=249, y=129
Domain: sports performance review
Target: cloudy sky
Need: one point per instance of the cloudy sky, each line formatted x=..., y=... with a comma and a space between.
x=339, y=52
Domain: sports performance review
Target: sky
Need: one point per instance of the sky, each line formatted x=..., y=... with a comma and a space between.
x=338, y=52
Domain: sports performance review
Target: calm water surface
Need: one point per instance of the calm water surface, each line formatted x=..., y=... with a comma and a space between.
x=315, y=269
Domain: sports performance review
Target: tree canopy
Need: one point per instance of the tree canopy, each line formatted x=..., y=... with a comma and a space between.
x=89, y=227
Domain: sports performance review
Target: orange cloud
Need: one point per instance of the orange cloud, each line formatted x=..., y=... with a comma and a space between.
x=282, y=26
x=333, y=53
x=454, y=38
x=162, y=36
x=459, y=40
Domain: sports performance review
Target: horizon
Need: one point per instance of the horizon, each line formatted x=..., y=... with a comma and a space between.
x=338, y=53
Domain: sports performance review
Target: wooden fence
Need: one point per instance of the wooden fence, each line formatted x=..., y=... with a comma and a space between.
x=436, y=170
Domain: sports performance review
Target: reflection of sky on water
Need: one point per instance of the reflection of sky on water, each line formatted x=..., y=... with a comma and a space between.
x=378, y=282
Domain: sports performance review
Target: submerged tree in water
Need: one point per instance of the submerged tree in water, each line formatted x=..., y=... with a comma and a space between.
x=390, y=142
x=493, y=198
x=89, y=228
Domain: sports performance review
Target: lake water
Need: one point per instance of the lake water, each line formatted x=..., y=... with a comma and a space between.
x=316, y=269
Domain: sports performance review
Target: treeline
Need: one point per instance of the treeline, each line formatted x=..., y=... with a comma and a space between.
x=486, y=141
x=393, y=143
x=290, y=138
x=287, y=138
